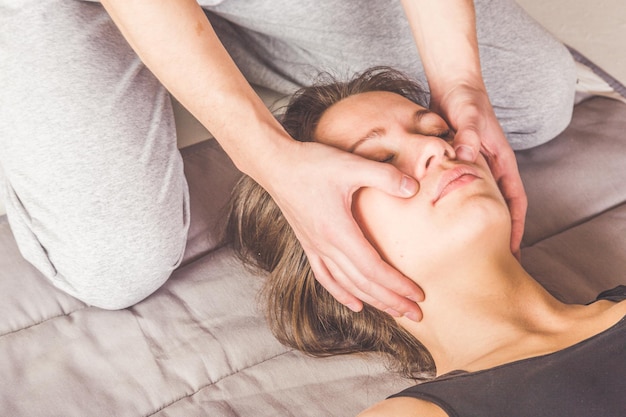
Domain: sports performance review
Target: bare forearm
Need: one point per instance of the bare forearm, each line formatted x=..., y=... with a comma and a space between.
x=445, y=34
x=176, y=41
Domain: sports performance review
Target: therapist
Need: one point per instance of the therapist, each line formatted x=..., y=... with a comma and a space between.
x=89, y=112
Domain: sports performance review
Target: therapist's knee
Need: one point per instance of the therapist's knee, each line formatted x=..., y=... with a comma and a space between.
x=123, y=272
x=101, y=289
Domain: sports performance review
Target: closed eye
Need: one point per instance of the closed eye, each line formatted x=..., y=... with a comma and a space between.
x=447, y=135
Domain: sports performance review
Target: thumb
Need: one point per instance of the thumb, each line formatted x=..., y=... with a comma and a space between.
x=466, y=144
x=408, y=186
x=389, y=179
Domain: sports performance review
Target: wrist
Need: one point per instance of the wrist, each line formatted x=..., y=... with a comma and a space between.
x=469, y=90
x=265, y=162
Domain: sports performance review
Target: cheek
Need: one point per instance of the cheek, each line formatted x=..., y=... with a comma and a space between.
x=399, y=229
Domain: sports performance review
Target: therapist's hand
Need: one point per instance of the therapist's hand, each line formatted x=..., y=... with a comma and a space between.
x=469, y=112
x=313, y=185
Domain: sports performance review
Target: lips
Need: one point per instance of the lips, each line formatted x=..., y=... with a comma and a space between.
x=455, y=178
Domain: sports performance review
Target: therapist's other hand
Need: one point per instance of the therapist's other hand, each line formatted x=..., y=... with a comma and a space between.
x=313, y=185
x=469, y=112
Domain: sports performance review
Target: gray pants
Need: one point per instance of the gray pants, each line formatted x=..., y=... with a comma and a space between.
x=93, y=182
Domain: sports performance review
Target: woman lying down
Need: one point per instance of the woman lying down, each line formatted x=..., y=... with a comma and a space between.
x=492, y=341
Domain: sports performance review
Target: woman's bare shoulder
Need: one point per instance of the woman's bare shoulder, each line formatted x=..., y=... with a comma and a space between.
x=404, y=407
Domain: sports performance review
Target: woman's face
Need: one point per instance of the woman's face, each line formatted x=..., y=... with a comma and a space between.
x=458, y=206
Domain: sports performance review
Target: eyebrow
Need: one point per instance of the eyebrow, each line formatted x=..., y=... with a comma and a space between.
x=372, y=134
x=419, y=114
x=379, y=131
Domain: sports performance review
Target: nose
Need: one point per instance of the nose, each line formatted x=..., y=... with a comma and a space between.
x=427, y=153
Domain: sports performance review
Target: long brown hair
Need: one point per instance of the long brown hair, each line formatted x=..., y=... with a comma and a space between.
x=300, y=312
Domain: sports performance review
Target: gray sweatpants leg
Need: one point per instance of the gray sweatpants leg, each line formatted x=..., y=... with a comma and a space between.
x=530, y=76
x=94, y=185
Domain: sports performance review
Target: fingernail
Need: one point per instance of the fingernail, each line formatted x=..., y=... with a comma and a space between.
x=408, y=186
x=415, y=299
x=464, y=153
x=411, y=315
x=354, y=307
x=393, y=312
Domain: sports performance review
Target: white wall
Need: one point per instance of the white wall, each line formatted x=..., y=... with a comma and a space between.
x=597, y=29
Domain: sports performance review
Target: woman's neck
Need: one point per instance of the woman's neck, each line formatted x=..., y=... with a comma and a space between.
x=491, y=313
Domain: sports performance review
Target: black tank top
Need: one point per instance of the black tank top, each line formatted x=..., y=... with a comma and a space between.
x=587, y=379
